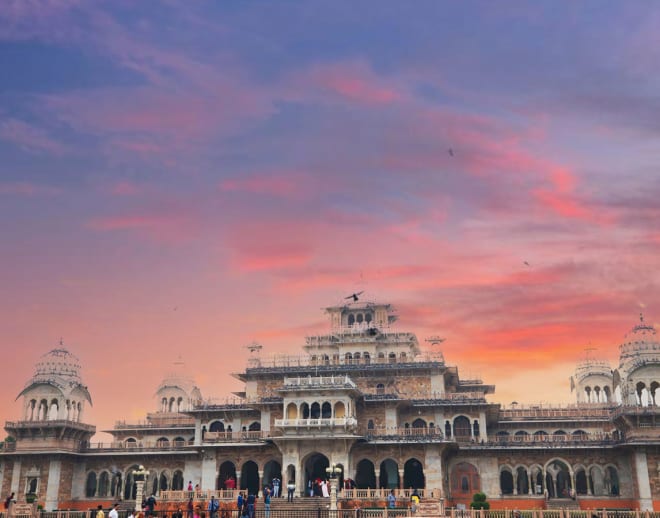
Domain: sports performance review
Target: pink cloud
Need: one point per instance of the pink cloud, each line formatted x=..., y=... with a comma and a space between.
x=352, y=81
x=167, y=226
x=29, y=137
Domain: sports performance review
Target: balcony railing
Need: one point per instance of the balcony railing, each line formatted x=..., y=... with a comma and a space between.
x=51, y=424
x=336, y=422
x=309, y=382
x=286, y=361
x=582, y=412
x=243, y=436
x=399, y=434
x=137, y=446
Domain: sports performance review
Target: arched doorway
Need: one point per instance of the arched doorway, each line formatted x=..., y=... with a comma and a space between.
x=464, y=480
x=315, y=469
x=522, y=480
x=227, y=471
x=250, y=477
x=389, y=475
x=130, y=487
x=365, y=476
x=558, y=479
x=413, y=475
x=290, y=474
x=272, y=469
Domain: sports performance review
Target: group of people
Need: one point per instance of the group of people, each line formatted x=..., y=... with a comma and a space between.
x=318, y=487
x=414, y=500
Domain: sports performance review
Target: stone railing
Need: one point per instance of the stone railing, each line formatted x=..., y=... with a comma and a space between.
x=310, y=360
x=137, y=446
x=158, y=422
x=50, y=423
x=335, y=422
x=242, y=436
x=400, y=434
x=314, y=382
x=586, y=411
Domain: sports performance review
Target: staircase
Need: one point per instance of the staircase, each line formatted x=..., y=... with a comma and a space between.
x=562, y=503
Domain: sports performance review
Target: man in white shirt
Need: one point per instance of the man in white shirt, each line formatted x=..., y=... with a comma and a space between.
x=113, y=513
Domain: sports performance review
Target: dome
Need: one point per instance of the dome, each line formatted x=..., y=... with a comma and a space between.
x=60, y=369
x=640, y=347
x=58, y=362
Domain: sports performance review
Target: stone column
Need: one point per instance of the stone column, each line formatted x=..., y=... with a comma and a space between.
x=261, y=483
x=590, y=490
x=643, y=483
x=401, y=472
x=53, y=484
x=239, y=481
x=530, y=489
x=515, y=482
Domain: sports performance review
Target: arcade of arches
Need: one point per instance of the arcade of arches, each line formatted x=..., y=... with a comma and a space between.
x=558, y=479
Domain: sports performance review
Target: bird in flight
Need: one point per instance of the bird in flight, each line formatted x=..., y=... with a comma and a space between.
x=526, y=263
x=450, y=151
x=355, y=296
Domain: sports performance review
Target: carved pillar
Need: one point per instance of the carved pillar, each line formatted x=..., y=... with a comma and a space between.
x=515, y=482
x=261, y=483
x=401, y=472
x=530, y=489
x=590, y=490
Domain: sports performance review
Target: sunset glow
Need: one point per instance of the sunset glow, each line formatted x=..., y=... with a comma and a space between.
x=182, y=181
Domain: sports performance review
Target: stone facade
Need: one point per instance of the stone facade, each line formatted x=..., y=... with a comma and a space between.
x=364, y=397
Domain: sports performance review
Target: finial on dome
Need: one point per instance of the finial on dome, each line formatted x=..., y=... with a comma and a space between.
x=61, y=341
x=641, y=317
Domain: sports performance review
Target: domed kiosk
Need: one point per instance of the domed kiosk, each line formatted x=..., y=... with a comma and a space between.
x=54, y=401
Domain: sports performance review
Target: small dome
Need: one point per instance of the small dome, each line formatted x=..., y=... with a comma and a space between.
x=640, y=348
x=58, y=362
x=60, y=369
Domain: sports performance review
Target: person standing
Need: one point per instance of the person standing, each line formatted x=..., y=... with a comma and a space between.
x=113, y=512
x=190, y=509
x=240, y=502
x=276, y=487
x=99, y=512
x=414, y=501
x=251, y=503
x=213, y=507
x=291, y=489
x=391, y=500
x=266, y=502
x=8, y=501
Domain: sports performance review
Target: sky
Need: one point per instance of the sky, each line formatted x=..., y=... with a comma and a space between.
x=180, y=179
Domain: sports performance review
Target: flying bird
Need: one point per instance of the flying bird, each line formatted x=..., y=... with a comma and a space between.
x=526, y=263
x=355, y=296
x=450, y=151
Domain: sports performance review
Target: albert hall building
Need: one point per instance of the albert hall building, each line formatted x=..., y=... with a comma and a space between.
x=363, y=397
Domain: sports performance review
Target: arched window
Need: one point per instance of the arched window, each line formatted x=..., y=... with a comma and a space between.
x=163, y=442
x=130, y=442
x=367, y=358
x=90, y=485
x=217, y=426
x=340, y=410
x=380, y=389
x=326, y=410
x=304, y=411
x=315, y=410
x=177, y=480
x=348, y=358
x=104, y=484
x=370, y=424
x=291, y=411
x=391, y=357
x=351, y=320
x=475, y=428
x=506, y=482
x=163, y=483
x=255, y=427
x=462, y=428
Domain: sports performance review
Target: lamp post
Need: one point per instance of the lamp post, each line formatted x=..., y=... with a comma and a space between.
x=333, y=472
x=139, y=475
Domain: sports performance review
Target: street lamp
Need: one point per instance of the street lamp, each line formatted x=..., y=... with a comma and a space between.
x=139, y=475
x=333, y=472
